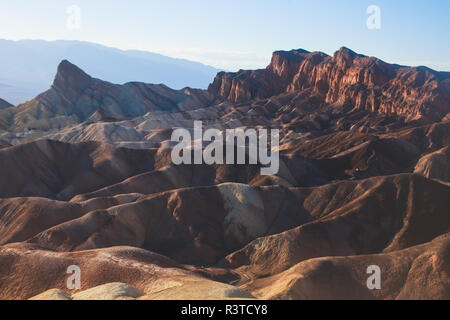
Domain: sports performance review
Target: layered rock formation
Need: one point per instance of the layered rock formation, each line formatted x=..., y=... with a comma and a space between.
x=87, y=180
x=346, y=78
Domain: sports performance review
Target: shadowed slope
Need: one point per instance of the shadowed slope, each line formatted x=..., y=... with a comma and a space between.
x=4, y=104
x=60, y=171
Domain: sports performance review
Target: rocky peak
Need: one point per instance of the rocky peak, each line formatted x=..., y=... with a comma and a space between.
x=286, y=63
x=70, y=76
x=344, y=57
x=347, y=53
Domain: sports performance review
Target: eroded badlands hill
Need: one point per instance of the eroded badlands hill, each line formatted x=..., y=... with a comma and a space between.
x=87, y=180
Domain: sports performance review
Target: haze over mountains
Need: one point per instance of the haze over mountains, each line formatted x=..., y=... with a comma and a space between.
x=87, y=180
x=28, y=66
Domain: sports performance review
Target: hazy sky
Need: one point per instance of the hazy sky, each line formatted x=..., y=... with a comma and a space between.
x=233, y=34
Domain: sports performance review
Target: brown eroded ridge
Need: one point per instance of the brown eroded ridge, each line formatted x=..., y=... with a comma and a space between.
x=364, y=179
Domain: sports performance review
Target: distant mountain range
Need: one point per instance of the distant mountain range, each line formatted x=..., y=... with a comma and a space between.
x=28, y=66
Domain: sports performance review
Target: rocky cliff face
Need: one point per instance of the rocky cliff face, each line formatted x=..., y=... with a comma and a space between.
x=346, y=78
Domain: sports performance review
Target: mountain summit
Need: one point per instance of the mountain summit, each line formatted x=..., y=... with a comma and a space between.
x=69, y=75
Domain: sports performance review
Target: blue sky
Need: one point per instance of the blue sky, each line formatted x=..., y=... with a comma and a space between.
x=236, y=34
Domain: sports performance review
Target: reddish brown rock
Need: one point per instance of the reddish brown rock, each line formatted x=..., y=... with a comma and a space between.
x=346, y=78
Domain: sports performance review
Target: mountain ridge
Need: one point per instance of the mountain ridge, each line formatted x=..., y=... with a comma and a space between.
x=344, y=78
x=75, y=96
x=28, y=66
